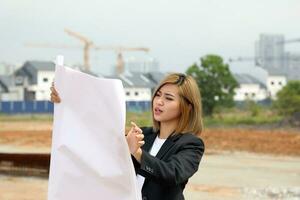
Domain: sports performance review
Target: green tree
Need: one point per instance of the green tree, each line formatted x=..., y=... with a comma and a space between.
x=215, y=81
x=288, y=99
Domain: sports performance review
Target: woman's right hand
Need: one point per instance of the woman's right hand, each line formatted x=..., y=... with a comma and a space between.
x=135, y=138
x=54, y=95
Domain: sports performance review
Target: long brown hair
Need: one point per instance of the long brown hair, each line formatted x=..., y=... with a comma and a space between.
x=189, y=104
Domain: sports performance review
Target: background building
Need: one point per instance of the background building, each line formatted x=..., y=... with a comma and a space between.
x=249, y=88
x=280, y=65
x=35, y=77
x=270, y=52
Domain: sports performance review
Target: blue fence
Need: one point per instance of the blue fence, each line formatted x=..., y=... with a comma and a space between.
x=138, y=106
x=26, y=107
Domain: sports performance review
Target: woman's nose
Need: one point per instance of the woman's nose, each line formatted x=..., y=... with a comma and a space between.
x=160, y=101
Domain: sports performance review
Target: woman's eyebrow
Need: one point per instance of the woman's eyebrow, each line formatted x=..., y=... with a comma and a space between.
x=169, y=94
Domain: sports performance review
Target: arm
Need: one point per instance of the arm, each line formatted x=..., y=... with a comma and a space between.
x=136, y=164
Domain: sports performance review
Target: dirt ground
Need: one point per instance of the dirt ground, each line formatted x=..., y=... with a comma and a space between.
x=275, y=142
x=221, y=176
x=238, y=163
x=36, y=137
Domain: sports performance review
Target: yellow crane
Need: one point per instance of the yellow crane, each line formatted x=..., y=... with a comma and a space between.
x=119, y=50
x=88, y=45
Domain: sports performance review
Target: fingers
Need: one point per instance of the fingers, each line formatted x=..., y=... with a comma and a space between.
x=140, y=140
x=136, y=128
x=140, y=136
x=54, y=97
x=135, y=136
x=130, y=131
x=53, y=90
x=133, y=124
x=141, y=143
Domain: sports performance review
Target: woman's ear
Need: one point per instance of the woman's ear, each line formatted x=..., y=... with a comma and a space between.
x=190, y=107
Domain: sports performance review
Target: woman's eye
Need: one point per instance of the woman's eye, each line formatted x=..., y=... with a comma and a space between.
x=168, y=98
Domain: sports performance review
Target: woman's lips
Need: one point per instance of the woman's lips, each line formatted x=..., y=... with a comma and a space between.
x=157, y=111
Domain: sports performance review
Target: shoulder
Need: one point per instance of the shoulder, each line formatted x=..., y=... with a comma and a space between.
x=189, y=138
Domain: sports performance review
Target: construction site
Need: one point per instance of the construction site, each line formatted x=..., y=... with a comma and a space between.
x=243, y=55
x=87, y=45
x=240, y=162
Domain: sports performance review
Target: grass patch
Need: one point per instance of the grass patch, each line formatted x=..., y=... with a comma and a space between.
x=141, y=119
x=226, y=117
x=26, y=117
x=234, y=117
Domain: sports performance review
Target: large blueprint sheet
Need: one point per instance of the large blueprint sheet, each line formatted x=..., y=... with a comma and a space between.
x=90, y=158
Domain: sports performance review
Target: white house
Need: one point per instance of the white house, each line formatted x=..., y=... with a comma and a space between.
x=137, y=86
x=249, y=88
x=36, y=78
x=275, y=84
x=278, y=78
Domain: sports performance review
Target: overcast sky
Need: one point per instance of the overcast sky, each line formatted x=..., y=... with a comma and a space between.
x=177, y=32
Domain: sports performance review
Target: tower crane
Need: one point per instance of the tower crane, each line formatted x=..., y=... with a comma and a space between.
x=88, y=45
x=246, y=59
x=258, y=60
x=119, y=50
x=289, y=41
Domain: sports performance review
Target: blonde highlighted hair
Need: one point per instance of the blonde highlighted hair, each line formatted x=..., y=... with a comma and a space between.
x=190, y=104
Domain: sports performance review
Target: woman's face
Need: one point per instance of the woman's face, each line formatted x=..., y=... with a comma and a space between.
x=166, y=104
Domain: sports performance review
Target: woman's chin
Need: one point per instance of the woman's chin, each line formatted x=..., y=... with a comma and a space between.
x=157, y=118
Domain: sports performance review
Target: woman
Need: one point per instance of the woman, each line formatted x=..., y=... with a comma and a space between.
x=166, y=155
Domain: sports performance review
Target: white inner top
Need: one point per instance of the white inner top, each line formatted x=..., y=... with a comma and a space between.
x=154, y=150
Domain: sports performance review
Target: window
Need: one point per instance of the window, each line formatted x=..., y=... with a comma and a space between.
x=246, y=94
x=136, y=93
x=45, y=79
x=253, y=94
x=272, y=82
x=127, y=93
x=279, y=83
x=19, y=80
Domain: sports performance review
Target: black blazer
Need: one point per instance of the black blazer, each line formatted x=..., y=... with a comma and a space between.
x=167, y=173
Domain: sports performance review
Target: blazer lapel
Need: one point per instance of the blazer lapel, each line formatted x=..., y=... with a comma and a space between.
x=167, y=145
x=149, y=139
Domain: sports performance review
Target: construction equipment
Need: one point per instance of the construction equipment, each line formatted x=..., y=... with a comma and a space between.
x=258, y=60
x=289, y=41
x=245, y=59
x=86, y=48
x=63, y=46
x=88, y=45
x=119, y=50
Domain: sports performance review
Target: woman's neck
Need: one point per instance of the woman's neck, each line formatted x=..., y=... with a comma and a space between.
x=166, y=129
